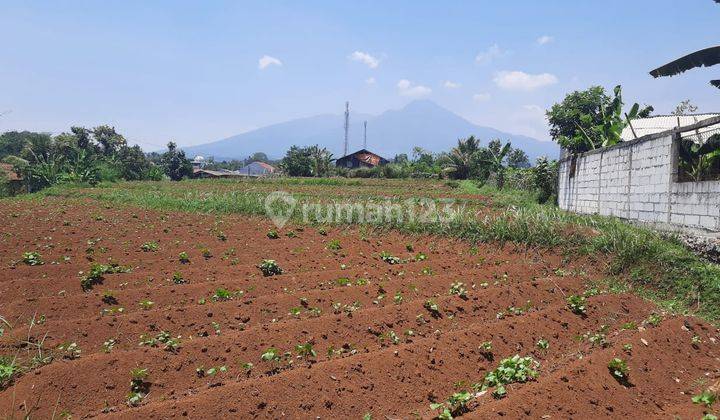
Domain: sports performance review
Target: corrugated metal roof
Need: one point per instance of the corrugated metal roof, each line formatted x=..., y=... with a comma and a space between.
x=7, y=169
x=643, y=126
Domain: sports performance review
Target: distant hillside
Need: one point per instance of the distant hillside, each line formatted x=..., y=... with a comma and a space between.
x=420, y=123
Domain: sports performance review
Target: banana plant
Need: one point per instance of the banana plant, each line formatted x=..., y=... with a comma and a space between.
x=697, y=160
x=613, y=122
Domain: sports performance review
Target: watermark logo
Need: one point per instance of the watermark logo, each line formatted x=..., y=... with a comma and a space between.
x=279, y=206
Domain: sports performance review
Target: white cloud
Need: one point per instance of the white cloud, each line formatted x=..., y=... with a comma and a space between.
x=481, y=97
x=545, y=39
x=490, y=54
x=451, y=85
x=365, y=58
x=407, y=88
x=518, y=80
x=266, y=61
x=370, y=81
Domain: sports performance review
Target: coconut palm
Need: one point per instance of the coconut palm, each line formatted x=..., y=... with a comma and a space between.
x=461, y=158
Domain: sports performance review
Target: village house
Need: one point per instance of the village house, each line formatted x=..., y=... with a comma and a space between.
x=363, y=158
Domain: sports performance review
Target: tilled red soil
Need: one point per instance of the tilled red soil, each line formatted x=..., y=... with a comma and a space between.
x=379, y=350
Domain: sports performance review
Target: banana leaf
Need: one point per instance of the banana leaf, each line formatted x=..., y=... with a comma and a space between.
x=706, y=57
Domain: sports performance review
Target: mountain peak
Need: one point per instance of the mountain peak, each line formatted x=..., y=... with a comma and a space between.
x=421, y=123
x=423, y=105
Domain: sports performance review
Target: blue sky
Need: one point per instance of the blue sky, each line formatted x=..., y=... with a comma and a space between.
x=194, y=71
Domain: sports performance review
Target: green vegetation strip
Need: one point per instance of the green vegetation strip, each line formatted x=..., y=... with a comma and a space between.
x=657, y=267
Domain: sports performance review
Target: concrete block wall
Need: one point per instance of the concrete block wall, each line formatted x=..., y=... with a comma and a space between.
x=636, y=180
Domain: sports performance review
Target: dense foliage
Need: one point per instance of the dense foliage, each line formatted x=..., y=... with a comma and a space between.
x=85, y=156
x=589, y=119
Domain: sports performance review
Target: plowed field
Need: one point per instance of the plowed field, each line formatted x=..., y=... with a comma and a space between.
x=345, y=332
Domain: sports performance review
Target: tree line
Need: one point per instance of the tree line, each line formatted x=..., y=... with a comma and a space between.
x=85, y=155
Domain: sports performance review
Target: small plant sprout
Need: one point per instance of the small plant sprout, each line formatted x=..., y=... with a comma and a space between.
x=69, y=350
x=577, y=304
x=273, y=234
x=177, y=278
x=247, y=366
x=149, y=247
x=222, y=295
x=201, y=371
x=454, y=406
x=432, y=307
x=139, y=387
x=146, y=304
x=420, y=257
x=542, y=344
x=8, y=368
x=109, y=298
x=398, y=299
x=511, y=370
x=696, y=341
x=305, y=351
x=206, y=253
x=184, y=258
x=654, y=319
x=32, y=258
x=97, y=274
x=269, y=268
x=389, y=258
x=618, y=368
x=108, y=345
x=333, y=245
x=458, y=288
x=706, y=398
x=485, y=348
x=271, y=355
x=629, y=326
x=171, y=344
x=627, y=348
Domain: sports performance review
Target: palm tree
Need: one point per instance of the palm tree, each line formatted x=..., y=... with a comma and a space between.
x=462, y=157
x=707, y=57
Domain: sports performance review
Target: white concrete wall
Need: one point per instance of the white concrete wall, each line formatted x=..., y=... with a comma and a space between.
x=636, y=180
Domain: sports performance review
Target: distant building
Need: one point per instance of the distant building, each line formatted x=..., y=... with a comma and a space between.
x=9, y=177
x=363, y=158
x=219, y=173
x=198, y=162
x=256, y=169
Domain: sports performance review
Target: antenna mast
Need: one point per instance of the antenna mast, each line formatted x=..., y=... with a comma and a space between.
x=365, y=135
x=347, y=126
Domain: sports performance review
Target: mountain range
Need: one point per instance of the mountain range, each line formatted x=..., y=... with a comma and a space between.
x=420, y=123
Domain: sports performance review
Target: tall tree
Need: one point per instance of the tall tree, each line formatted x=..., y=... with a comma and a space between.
x=298, y=162
x=175, y=164
x=108, y=139
x=518, y=159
